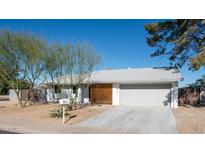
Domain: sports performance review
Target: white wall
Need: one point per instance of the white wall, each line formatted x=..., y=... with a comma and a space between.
x=85, y=94
x=85, y=91
x=145, y=94
x=49, y=95
x=65, y=93
x=12, y=96
x=174, y=95
x=115, y=94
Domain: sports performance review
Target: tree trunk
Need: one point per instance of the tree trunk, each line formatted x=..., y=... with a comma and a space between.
x=19, y=99
x=28, y=96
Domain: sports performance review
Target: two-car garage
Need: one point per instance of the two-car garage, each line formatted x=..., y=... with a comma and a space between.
x=145, y=94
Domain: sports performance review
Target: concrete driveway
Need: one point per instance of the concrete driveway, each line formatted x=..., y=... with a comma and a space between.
x=130, y=119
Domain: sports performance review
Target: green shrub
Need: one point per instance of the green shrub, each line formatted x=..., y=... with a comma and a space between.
x=57, y=113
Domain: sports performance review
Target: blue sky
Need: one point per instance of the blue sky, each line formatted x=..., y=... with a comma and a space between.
x=121, y=43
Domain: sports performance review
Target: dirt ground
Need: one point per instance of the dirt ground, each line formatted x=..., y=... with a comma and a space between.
x=12, y=114
x=190, y=120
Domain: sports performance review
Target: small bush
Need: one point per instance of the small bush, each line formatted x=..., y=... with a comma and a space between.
x=58, y=113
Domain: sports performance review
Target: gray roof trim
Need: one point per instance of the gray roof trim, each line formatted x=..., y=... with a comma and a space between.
x=135, y=82
x=142, y=75
x=135, y=75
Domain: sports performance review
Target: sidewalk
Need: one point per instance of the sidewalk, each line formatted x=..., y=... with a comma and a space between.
x=33, y=128
x=4, y=98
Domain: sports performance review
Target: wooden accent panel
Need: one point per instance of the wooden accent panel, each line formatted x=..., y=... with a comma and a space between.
x=101, y=93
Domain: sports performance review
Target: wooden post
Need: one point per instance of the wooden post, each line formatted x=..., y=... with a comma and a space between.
x=63, y=104
x=63, y=114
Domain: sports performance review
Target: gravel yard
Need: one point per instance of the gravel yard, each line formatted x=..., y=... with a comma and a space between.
x=36, y=117
x=190, y=120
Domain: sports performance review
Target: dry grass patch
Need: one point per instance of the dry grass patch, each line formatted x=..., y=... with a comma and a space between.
x=190, y=120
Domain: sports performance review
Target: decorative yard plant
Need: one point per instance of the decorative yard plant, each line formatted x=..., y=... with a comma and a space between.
x=58, y=113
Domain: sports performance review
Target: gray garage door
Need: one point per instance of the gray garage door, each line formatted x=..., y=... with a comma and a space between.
x=145, y=94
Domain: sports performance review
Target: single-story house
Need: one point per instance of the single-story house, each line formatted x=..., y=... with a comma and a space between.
x=132, y=86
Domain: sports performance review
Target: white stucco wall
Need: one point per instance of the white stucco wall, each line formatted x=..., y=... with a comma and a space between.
x=49, y=95
x=85, y=94
x=174, y=95
x=12, y=96
x=65, y=93
x=115, y=94
x=85, y=91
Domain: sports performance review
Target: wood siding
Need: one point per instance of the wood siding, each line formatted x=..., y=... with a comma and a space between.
x=101, y=93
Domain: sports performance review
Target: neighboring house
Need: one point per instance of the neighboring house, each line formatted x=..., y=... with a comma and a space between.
x=191, y=95
x=38, y=95
x=142, y=87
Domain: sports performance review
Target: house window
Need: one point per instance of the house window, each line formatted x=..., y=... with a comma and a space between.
x=74, y=89
x=57, y=89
